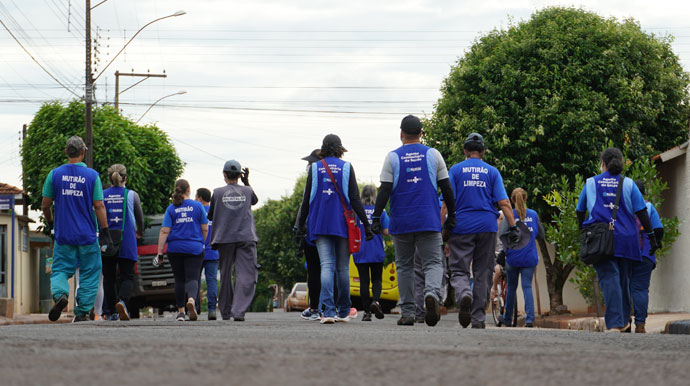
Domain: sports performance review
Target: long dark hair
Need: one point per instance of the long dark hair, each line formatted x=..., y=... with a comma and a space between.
x=181, y=187
x=613, y=160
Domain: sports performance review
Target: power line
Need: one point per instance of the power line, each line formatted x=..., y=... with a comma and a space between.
x=267, y=109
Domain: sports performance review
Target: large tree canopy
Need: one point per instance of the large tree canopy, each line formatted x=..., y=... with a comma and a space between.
x=151, y=160
x=548, y=93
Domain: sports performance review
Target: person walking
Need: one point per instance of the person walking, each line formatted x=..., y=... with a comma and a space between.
x=597, y=200
x=77, y=193
x=210, y=264
x=521, y=263
x=369, y=260
x=125, y=222
x=331, y=184
x=411, y=177
x=234, y=236
x=478, y=189
x=184, y=229
x=641, y=272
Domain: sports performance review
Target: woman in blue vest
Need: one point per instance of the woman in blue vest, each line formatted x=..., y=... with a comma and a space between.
x=522, y=262
x=369, y=260
x=596, y=204
x=642, y=270
x=185, y=227
x=321, y=205
x=125, y=221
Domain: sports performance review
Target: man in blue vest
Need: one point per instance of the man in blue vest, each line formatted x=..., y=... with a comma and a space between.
x=76, y=191
x=411, y=177
x=478, y=188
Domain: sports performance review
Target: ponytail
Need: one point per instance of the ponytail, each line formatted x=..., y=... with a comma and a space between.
x=519, y=198
x=181, y=188
x=613, y=160
x=117, y=175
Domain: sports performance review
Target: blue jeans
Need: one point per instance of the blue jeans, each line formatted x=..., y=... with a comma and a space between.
x=614, y=280
x=211, y=273
x=639, y=287
x=526, y=274
x=65, y=261
x=334, y=253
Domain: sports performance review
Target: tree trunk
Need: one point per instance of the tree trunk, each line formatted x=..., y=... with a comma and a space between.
x=556, y=275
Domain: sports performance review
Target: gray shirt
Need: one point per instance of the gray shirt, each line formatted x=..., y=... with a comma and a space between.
x=441, y=169
x=231, y=213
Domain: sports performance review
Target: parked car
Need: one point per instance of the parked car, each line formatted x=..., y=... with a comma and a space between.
x=153, y=286
x=297, y=300
x=389, y=285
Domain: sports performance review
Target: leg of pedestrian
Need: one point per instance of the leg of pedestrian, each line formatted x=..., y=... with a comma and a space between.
x=311, y=254
x=89, y=277
x=245, y=281
x=527, y=273
x=461, y=252
x=226, y=261
x=418, y=288
x=109, y=269
x=625, y=271
x=192, y=264
x=512, y=278
x=482, y=267
x=177, y=265
x=63, y=268
x=376, y=288
x=639, y=287
x=326, y=248
x=609, y=281
x=342, y=273
x=126, y=285
x=211, y=273
x=404, y=260
x=429, y=246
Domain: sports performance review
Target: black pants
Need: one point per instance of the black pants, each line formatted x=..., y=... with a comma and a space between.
x=186, y=270
x=110, y=292
x=376, y=270
x=313, y=274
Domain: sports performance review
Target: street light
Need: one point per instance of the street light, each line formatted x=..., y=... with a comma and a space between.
x=159, y=99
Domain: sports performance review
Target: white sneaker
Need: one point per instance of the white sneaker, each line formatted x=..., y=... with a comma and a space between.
x=328, y=320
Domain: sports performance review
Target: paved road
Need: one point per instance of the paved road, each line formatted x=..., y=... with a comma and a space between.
x=280, y=349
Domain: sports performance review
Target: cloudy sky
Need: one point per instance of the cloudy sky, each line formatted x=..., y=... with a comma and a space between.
x=265, y=80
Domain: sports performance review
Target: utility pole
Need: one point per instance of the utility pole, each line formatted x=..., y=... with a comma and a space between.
x=25, y=197
x=88, y=90
x=118, y=74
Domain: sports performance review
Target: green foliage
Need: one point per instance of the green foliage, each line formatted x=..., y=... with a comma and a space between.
x=546, y=93
x=151, y=160
x=276, y=251
x=563, y=231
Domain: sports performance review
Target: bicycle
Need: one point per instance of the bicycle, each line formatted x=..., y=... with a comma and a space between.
x=498, y=303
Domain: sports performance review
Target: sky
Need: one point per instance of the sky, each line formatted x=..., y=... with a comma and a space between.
x=265, y=81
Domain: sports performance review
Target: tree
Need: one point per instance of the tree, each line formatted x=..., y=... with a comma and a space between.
x=546, y=93
x=276, y=252
x=151, y=160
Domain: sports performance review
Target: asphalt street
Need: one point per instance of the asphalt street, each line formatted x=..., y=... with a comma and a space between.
x=281, y=349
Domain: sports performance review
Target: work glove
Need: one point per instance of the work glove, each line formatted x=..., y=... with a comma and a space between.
x=369, y=233
x=451, y=222
x=158, y=261
x=104, y=240
x=50, y=229
x=375, y=225
x=653, y=244
x=245, y=176
x=514, y=235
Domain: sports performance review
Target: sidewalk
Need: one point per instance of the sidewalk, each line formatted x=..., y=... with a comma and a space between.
x=34, y=319
x=656, y=323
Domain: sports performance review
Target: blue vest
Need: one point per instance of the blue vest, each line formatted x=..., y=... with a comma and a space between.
x=73, y=187
x=414, y=200
x=209, y=253
x=597, y=198
x=527, y=256
x=185, y=222
x=656, y=223
x=326, y=216
x=478, y=186
x=372, y=251
x=113, y=199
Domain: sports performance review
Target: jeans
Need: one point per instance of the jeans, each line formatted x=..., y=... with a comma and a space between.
x=65, y=258
x=363, y=270
x=526, y=274
x=428, y=244
x=334, y=253
x=614, y=279
x=211, y=273
x=639, y=287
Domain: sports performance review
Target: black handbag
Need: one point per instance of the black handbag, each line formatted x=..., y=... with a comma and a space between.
x=596, y=239
x=117, y=234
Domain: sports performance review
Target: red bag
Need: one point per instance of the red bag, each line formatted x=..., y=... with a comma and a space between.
x=354, y=234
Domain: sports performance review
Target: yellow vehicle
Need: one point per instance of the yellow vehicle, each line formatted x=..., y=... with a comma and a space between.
x=389, y=292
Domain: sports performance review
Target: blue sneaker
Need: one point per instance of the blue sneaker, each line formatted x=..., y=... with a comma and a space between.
x=121, y=308
x=310, y=314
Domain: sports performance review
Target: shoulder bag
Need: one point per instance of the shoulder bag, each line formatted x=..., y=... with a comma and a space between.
x=354, y=235
x=117, y=234
x=596, y=239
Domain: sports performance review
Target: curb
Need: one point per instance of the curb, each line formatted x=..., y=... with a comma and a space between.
x=678, y=327
x=15, y=322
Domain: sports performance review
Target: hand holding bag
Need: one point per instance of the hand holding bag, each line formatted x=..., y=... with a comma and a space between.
x=596, y=239
x=354, y=235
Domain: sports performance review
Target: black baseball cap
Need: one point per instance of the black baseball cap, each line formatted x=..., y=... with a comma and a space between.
x=332, y=140
x=313, y=157
x=411, y=125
